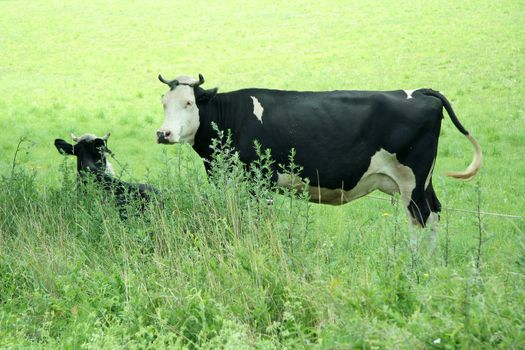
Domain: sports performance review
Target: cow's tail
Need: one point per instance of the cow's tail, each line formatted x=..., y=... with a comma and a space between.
x=477, y=160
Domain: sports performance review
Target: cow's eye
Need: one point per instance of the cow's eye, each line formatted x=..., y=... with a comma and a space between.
x=189, y=103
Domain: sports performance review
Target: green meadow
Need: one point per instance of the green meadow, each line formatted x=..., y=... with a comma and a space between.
x=213, y=267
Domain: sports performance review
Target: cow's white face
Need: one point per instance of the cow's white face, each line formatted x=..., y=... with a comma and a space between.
x=181, y=115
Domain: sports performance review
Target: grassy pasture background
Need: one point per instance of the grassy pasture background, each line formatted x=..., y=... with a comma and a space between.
x=81, y=67
x=77, y=67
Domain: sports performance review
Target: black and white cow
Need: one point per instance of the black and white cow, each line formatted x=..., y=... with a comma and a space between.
x=92, y=152
x=349, y=143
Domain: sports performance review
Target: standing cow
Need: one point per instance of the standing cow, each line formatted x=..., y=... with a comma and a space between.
x=348, y=143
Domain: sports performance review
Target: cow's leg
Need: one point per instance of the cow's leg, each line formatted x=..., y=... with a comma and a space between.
x=418, y=207
x=435, y=208
x=434, y=205
x=425, y=209
x=422, y=198
x=419, y=212
x=423, y=205
x=421, y=216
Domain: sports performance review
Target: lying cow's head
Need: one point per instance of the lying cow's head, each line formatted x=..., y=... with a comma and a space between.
x=91, y=152
x=181, y=110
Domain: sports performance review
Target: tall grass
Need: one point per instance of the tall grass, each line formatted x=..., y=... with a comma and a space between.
x=211, y=264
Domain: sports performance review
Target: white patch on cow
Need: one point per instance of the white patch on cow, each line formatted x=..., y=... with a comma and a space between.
x=181, y=115
x=185, y=79
x=88, y=137
x=409, y=93
x=257, y=108
x=290, y=181
x=385, y=173
x=85, y=137
x=429, y=176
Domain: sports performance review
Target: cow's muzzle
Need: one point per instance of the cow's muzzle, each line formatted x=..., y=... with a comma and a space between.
x=163, y=137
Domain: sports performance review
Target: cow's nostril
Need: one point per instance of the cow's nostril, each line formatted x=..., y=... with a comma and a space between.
x=162, y=136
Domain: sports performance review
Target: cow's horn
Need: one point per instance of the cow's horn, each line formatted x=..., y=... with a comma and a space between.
x=200, y=82
x=106, y=137
x=75, y=138
x=163, y=80
x=170, y=83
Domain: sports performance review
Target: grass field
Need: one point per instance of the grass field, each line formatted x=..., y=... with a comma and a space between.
x=212, y=268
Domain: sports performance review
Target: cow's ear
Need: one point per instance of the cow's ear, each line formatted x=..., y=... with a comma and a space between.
x=64, y=147
x=204, y=96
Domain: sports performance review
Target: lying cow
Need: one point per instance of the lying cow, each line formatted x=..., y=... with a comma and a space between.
x=92, y=152
x=348, y=143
